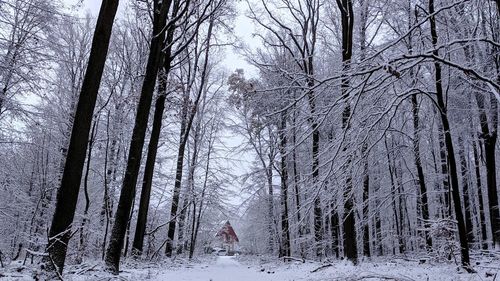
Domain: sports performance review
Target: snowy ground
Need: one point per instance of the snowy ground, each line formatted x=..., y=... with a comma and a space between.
x=253, y=268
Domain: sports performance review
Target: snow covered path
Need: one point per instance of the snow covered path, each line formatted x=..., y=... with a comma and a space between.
x=230, y=269
x=258, y=268
x=224, y=269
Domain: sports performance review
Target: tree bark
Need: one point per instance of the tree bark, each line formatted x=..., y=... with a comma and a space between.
x=296, y=180
x=420, y=172
x=489, y=138
x=445, y=193
x=449, y=147
x=142, y=217
x=285, y=229
x=482, y=218
x=270, y=204
x=138, y=243
x=396, y=209
x=67, y=195
x=115, y=245
x=349, y=222
x=366, y=203
x=465, y=186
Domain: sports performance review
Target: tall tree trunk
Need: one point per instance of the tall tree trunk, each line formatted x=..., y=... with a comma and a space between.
x=363, y=18
x=270, y=204
x=489, y=138
x=423, y=196
x=189, y=195
x=115, y=245
x=470, y=54
x=178, y=180
x=67, y=195
x=489, y=129
x=445, y=193
x=349, y=222
x=285, y=229
x=455, y=191
x=420, y=172
x=482, y=218
x=397, y=213
x=296, y=180
x=366, y=202
x=403, y=209
x=194, y=233
x=318, y=212
x=465, y=186
x=311, y=97
x=142, y=216
x=127, y=233
x=334, y=229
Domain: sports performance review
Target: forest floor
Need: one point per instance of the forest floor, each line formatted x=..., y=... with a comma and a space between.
x=253, y=268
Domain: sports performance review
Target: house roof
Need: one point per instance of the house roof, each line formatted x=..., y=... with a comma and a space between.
x=228, y=230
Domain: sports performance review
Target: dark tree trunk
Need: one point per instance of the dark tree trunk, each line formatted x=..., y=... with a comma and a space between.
x=378, y=233
x=142, y=216
x=489, y=132
x=465, y=186
x=270, y=204
x=363, y=19
x=318, y=213
x=482, y=218
x=119, y=229
x=491, y=181
x=127, y=234
x=445, y=193
x=67, y=195
x=366, y=203
x=420, y=172
x=489, y=138
x=334, y=229
x=462, y=232
x=182, y=222
x=308, y=67
x=397, y=214
x=296, y=180
x=349, y=222
x=285, y=229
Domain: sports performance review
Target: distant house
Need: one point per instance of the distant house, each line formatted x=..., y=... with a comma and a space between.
x=227, y=237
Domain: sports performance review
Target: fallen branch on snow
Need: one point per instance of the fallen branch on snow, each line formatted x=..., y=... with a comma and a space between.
x=376, y=276
x=322, y=267
x=302, y=260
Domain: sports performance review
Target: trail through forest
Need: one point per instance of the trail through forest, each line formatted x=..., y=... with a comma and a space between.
x=226, y=268
x=260, y=268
